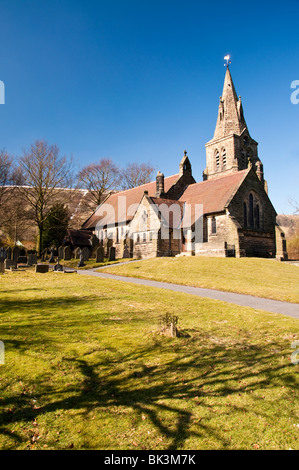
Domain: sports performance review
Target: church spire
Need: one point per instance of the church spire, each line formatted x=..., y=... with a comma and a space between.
x=230, y=114
x=231, y=148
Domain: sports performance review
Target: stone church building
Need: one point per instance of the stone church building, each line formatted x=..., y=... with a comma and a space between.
x=229, y=213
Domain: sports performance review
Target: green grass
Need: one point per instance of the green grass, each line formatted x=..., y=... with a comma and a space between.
x=255, y=276
x=86, y=368
x=90, y=264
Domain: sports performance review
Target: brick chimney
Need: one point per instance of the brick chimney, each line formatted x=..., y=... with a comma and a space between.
x=159, y=184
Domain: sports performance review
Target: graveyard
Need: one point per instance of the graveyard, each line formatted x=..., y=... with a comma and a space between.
x=87, y=365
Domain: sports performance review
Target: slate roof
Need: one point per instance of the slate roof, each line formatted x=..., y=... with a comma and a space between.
x=132, y=196
x=214, y=194
x=78, y=238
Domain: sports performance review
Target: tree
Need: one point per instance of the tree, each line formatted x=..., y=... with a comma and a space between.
x=56, y=225
x=135, y=174
x=46, y=175
x=6, y=174
x=99, y=179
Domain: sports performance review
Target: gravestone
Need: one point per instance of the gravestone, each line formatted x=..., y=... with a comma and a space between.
x=3, y=253
x=15, y=253
x=22, y=260
x=60, y=252
x=126, y=252
x=2, y=269
x=107, y=243
x=81, y=260
x=8, y=253
x=77, y=253
x=100, y=254
x=10, y=263
x=42, y=268
x=52, y=259
x=32, y=259
x=112, y=254
x=58, y=267
x=85, y=254
x=67, y=253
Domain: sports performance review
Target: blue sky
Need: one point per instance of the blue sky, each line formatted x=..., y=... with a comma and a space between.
x=140, y=80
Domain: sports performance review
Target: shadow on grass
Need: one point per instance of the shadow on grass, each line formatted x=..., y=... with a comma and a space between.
x=209, y=372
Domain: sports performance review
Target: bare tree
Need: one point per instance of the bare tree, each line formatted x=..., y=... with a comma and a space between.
x=6, y=173
x=136, y=174
x=46, y=174
x=99, y=179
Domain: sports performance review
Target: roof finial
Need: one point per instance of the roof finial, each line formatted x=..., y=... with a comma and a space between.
x=228, y=61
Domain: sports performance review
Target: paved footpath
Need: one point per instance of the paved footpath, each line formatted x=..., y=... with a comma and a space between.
x=268, y=305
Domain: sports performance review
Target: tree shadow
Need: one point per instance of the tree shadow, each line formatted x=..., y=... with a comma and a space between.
x=131, y=383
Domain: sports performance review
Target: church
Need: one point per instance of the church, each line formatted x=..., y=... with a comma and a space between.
x=228, y=213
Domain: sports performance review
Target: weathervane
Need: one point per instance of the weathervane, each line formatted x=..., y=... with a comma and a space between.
x=228, y=61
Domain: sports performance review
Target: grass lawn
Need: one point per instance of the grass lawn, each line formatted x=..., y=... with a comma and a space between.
x=86, y=368
x=90, y=264
x=255, y=276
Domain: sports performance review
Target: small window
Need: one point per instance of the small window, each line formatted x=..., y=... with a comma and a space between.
x=217, y=159
x=257, y=216
x=214, y=226
x=144, y=237
x=137, y=238
x=224, y=157
x=243, y=159
x=251, y=215
x=245, y=214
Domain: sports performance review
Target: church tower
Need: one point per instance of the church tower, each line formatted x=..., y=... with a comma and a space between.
x=231, y=149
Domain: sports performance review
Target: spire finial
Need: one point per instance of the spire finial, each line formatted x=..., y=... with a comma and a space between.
x=228, y=61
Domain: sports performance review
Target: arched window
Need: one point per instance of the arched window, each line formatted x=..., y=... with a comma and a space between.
x=251, y=215
x=243, y=159
x=217, y=158
x=214, y=227
x=224, y=157
x=257, y=216
x=245, y=214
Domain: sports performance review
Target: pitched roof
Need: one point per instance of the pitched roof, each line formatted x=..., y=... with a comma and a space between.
x=131, y=197
x=171, y=210
x=213, y=194
x=79, y=238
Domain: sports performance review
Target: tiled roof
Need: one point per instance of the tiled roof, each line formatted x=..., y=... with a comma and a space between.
x=213, y=194
x=171, y=211
x=129, y=198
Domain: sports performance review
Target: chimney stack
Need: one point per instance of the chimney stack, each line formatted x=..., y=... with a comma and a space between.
x=159, y=184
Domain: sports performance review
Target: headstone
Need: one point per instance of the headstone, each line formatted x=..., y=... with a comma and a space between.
x=60, y=252
x=52, y=259
x=32, y=259
x=107, y=243
x=77, y=253
x=42, y=268
x=81, y=261
x=112, y=254
x=10, y=263
x=15, y=253
x=85, y=254
x=22, y=260
x=58, y=267
x=2, y=268
x=100, y=254
x=3, y=253
x=126, y=253
x=67, y=253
